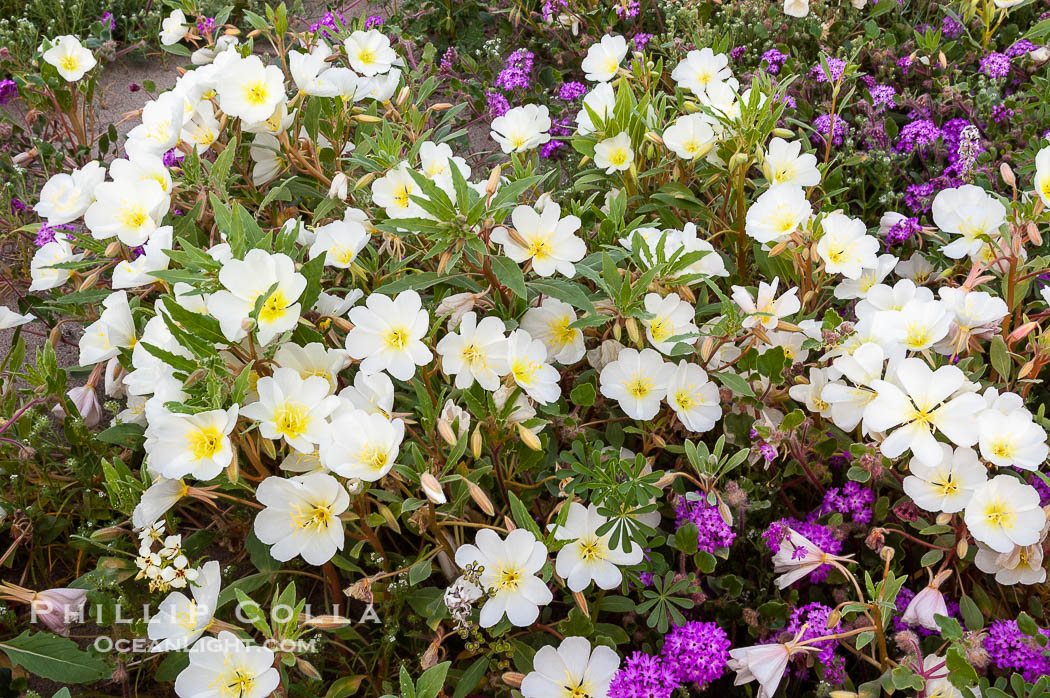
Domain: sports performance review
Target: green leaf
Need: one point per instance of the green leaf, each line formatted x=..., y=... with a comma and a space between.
x=522, y=516
x=971, y=614
x=419, y=572
x=951, y=629
x=960, y=673
x=510, y=275
x=564, y=291
x=55, y=658
x=220, y=171
x=471, y=677
x=1000, y=357
x=735, y=383
x=432, y=681
x=583, y=395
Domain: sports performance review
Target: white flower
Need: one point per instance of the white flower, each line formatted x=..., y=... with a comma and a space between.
x=550, y=323
x=522, y=128
x=849, y=289
x=223, y=666
x=977, y=316
x=601, y=100
x=1005, y=512
x=777, y=213
x=245, y=281
x=811, y=394
x=1022, y=565
x=302, y=516
x=362, y=445
x=65, y=197
x=766, y=664
x=785, y=163
x=603, y=58
x=916, y=268
x=477, y=351
x=1012, y=439
x=574, y=669
x=970, y=212
x=947, y=486
x=114, y=330
x=590, y=557
x=9, y=319
x=1042, y=175
x=797, y=557
x=265, y=153
x=130, y=210
x=436, y=161
x=699, y=69
x=614, y=154
x=160, y=497
x=917, y=326
x=884, y=297
x=340, y=241
x=543, y=237
x=394, y=191
x=69, y=57
x=292, y=408
x=638, y=381
x=369, y=52
x=688, y=136
x=796, y=8
x=191, y=444
x=845, y=246
x=173, y=28
x=672, y=317
x=927, y=604
x=694, y=398
x=387, y=334
x=139, y=271
x=527, y=365
x=313, y=359
x=179, y=621
x=161, y=126
x=922, y=405
x=250, y=90
x=510, y=567
x=682, y=242
x=371, y=392
x=766, y=311
x=308, y=71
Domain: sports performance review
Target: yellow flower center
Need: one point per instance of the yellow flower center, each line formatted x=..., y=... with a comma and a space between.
x=639, y=386
x=1003, y=449
x=998, y=514
x=540, y=247
x=660, y=328
x=256, y=93
x=401, y=194
x=133, y=216
x=273, y=308
x=508, y=579
x=396, y=338
x=917, y=336
x=315, y=517
x=685, y=400
x=292, y=420
x=237, y=683
x=524, y=371
x=562, y=333
x=618, y=157
x=205, y=443
x=70, y=63
x=374, y=458
x=593, y=550
x=366, y=56
x=945, y=486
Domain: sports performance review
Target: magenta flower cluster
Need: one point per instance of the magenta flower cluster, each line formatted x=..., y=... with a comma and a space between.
x=714, y=532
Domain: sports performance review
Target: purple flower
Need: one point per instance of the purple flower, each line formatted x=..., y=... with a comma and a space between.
x=852, y=499
x=737, y=52
x=374, y=21
x=516, y=72
x=641, y=40
x=448, y=59
x=824, y=125
x=46, y=233
x=8, y=91
x=904, y=64
x=836, y=69
x=774, y=60
x=17, y=205
x=1012, y=650
x=331, y=23
x=206, y=25
x=497, y=104
x=626, y=9
x=917, y=136
x=1001, y=113
x=821, y=536
x=697, y=652
x=571, y=91
x=108, y=21
x=552, y=7
x=714, y=532
x=901, y=232
x=1040, y=487
x=883, y=97
x=814, y=617
x=643, y=676
x=996, y=65
x=1020, y=47
x=950, y=29
x=172, y=158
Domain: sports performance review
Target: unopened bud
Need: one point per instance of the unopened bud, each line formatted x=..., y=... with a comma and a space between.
x=108, y=533
x=367, y=119
x=632, y=331
x=581, y=601
x=706, y=348
x=402, y=97
x=783, y=133
x=308, y=669
x=233, y=470
x=737, y=161
x=432, y=488
x=475, y=442
x=528, y=438
x=365, y=181
x=1007, y=174
x=480, y=498
x=327, y=622
x=962, y=548
x=445, y=430
x=833, y=619
x=113, y=249
x=654, y=138
x=666, y=480
x=89, y=282
x=886, y=553
x=441, y=106
x=943, y=518
x=1022, y=332
x=493, y=181
x=513, y=679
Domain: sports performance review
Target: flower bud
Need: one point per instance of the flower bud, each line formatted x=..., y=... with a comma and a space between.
x=327, y=622
x=513, y=679
x=528, y=438
x=338, y=189
x=962, y=548
x=113, y=249
x=85, y=400
x=783, y=133
x=480, y=498
x=475, y=442
x=432, y=488
x=445, y=430
x=1007, y=174
x=493, y=181
x=58, y=608
x=308, y=669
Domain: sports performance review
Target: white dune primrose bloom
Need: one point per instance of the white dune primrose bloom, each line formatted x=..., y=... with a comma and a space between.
x=527, y=365
x=689, y=136
x=173, y=28
x=796, y=8
x=701, y=68
x=371, y=392
x=511, y=566
x=1005, y=512
x=313, y=359
x=1022, y=565
x=603, y=58
x=362, y=445
x=694, y=398
x=779, y=211
x=971, y=213
x=197, y=445
x=114, y=330
x=301, y=517
x=388, y=333
x=767, y=310
x=161, y=127
x=573, y=670
x=589, y=556
x=251, y=90
x=248, y=279
x=138, y=272
x=614, y=154
x=179, y=621
x=477, y=351
x=947, y=486
x=157, y=500
x=130, y=210
x=340, y=241
x=66, y=196
x=292, y=408
x=638, y=381
x=224, y=666
x=1012, y=439
x=845, y=246
x=765, y=664
x=785, y=163
x=919, y=403
x=369, y=52
x=797, y=557
x=9, y=319
x=671, y=317
x=394, y=191
x=550, y=322
x=917, y=326
x=544, y=237
x=1042, y=175
x=69, y=57
x=522, y=128
x=308, y=71
x=601, y=100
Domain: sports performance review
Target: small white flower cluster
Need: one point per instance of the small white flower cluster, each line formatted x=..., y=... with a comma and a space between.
x=166, y=568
